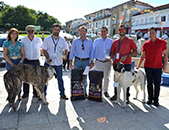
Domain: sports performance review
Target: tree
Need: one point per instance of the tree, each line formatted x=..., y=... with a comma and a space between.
x=3, y=5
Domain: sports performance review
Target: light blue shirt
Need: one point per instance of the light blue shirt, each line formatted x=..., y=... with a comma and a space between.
x=101, y=48
x=76, y=50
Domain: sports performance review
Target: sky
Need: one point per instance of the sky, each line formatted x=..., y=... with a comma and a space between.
x=66, y=10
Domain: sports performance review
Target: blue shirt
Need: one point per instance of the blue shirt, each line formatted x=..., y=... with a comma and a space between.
x=101, y=48
x=76, y=50
x=13, y=50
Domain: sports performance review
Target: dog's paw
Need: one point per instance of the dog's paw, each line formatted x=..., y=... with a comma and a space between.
x=115, y=101
x=124, y=105
x=45, y=103
x=135, y=98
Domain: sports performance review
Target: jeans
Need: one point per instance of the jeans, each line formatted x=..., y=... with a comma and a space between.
x=153, y=76
x=81, y=64
x=8, y=66
x=25, y=85
x=127, y=68
x=58, y=70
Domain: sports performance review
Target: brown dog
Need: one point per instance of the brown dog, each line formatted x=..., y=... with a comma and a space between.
x=38, y=76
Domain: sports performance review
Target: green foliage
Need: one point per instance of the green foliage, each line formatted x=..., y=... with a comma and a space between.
x=19, y=17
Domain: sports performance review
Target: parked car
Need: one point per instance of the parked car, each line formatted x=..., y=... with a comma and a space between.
x=3, y=37
x=116, y=36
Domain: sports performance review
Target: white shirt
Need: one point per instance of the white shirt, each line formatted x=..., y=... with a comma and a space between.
x=49, y=46
x=32, y=48
x=69, y=44
x=101, y=48
x=146, y=35
x=165, y=37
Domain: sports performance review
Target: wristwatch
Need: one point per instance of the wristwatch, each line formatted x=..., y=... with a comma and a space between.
x=21, y=61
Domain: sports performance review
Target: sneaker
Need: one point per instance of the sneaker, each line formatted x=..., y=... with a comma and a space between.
x=24, y=95
x=149, y=102
x=156, y=104
x=106, y=94
x=114, y=97
x=64, y=97
x=19, y=97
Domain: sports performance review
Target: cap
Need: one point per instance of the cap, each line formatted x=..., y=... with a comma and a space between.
x=30, y=27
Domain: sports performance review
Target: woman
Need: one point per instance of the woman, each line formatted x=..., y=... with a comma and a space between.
x=13, y=51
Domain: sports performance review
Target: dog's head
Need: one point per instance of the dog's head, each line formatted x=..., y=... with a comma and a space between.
x=119, y=67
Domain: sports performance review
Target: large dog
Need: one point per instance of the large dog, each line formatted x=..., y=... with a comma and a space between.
x=38, y=76
x=127, y=79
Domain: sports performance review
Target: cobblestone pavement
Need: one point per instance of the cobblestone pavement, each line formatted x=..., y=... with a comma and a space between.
x=83, y=114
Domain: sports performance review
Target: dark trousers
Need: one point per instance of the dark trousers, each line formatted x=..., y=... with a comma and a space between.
x=153, y=76
x=25, y=85
x=66, y=61
x=127, y=68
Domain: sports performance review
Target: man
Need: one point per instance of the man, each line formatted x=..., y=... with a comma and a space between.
x=55, y=49
x=146, y=37
x=82, y=50
x=101, y=51
x=139, y=34
x=165, y=36
x=32, y=47
x=67, y=60
x=123, y=49
x=152, y=53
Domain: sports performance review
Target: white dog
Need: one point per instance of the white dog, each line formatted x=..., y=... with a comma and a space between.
x=127, y=79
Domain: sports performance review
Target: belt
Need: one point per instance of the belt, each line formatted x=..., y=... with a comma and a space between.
x=31, y=60
x=15, y=57
x=82, y=59
x=102, y=60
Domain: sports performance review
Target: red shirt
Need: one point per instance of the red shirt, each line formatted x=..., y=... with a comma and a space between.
x=153, y=50
x=126, y=46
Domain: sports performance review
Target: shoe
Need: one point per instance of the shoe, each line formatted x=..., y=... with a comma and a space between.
x=127, y=100
x=35, y=95
x=64, y=97
x=114, y=97
x=86, y=96
x=106, y=94
x=149, y=102
x=24, y=95
x=19, y=97
x=156, y=104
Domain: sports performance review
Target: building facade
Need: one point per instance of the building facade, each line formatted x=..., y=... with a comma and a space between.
x=159, y=19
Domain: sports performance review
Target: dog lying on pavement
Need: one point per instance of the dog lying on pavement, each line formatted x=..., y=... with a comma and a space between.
x=38, y=76
x=127, y=79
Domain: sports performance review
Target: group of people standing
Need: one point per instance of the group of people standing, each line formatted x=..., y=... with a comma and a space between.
x=100, y=54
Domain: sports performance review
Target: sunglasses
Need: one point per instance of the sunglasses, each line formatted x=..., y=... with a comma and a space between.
x=82, y=46
x=121, y=30
x=31, y=31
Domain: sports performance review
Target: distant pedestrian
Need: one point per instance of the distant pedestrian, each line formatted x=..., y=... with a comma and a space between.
x=55, y=50
x=101, y=51
x=13, y=51
x=146, y=37
x=32, y=47
x=139, y=34
x=67, y=60
x=165, y=36
x=152, y=53
x=82, y=51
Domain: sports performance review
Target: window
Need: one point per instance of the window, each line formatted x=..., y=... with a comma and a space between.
x=146, y=21
x=142, y=21
x=163, y=18
x=107, y=22
x=96, y=24
x=137, y=22
x=103, y=23
x=151, y=20
x=89, y=17
x=157, y=19
x=90, y=26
